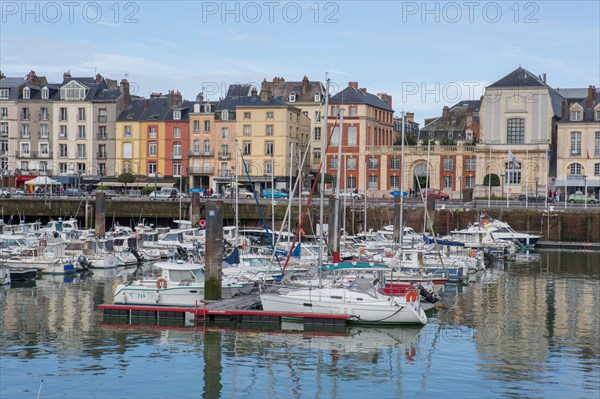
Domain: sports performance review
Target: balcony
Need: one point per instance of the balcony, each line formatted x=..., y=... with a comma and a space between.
x=44, y=136
x=25, y=135
x=224, y=156
x=225, y=172
x=23, y=154
x=101, y=154
x=4, y=134
x=102, y=118
x=176, y=155
x=41, y=154
x=201, y=170
x=101, y=136
x=201, y=153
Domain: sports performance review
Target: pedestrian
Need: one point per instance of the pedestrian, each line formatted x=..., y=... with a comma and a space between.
x=555, y=196
x=208, y=192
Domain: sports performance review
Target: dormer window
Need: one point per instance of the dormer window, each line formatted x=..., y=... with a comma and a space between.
x=73, y=91
x=575, y=116
x=597, y=114
x=4, y=94
x=225, y=115
x=317, y=97
x=207, y=108
x=292, y=97
x=177, y=115
x=26, y=93
x=45, y=93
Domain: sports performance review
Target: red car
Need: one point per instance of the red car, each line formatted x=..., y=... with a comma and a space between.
x=434, y=192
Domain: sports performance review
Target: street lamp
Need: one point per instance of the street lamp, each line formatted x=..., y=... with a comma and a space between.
x=585, y=198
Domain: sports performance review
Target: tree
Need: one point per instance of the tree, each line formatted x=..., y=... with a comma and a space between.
x=447, y=142
x=409, y=139
x=126, y=178
x=495, y=180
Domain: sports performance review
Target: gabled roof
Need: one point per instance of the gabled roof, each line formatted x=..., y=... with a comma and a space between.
x=155, y=109
x=231, y=103
x=238, y=90
x=520, y=77
x=588, y=114
x=281, y=89
x=351, y=95
x=13, y=85
x=457, y=120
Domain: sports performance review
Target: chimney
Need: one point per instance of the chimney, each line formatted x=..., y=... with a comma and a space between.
x=469, y=114
x=354, y=85
x=174, y=97
x=155, y=95
x=146, y=102
x=544, y=78
x=32, y=78
x=265, y=90
x=253, y=92
x=200, y=97
x=563, y=108
x=363, y=90
x=591, y=96
x=98, y=78
x=446, y=114
x=66, y=75
x=125, y=91
x=409, y=117
x=305, y=85
x=386, y=98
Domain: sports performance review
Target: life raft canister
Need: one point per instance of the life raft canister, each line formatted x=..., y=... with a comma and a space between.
x=161, y=283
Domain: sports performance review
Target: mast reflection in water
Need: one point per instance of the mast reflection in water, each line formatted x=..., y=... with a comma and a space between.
x=519, y=329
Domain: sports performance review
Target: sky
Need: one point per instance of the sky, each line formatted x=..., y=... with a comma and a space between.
x=425, y=54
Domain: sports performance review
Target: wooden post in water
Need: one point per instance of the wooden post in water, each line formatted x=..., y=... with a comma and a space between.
x=195, y=211
x=213, y=257
x=100, y=214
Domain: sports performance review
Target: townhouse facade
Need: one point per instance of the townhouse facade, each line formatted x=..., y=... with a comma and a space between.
x=204, y=142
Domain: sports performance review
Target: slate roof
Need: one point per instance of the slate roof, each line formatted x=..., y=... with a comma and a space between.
x=155, y=109
x=520, y=77
x=238, y=90
x=456, y=123
x=588, y=112
x=281, y=89
x=231, y=103
x=13, y=85
x=351, y=95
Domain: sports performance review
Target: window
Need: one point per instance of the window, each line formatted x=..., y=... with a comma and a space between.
x=351, y=136
x=268, y=148
x=25, y=165
x=73, y=91
x=333, y=163
x=225, y=115
x=25, y=150
x=102, y=115
x=335, y=136
x=598, y=114
x=269, y=131
x=269, y=115
x=196, y=146
x=224, y=150
x=268, y=167
x=317, y=153
x=196, y=126
x=62, y=151
x=152, y=132
x=177, y=169
x=512, y=172
x=62, y=168
x=25, y=132
x=224, y=133
x=80, y=150
x=127, y=150
x=317, y=134
x=373, y=163
x=247, y=148
x=45, y=93
x=575, y=116
x=26, y=93
x=176, y=132
x=206, y=126
x=292, y=97
x=448, y=164
x=351, y=163
x=575, y=143
x=152, y=169
x=373, y=182
x=43, y=131
x=448, y=182
x=318, y=116
x=575, y=169
x=597, y=144
x=25, y=114
x=246, y=116
x=246, y=167
x=351, y=182
x=335, y=111
x=81, y=132
x=177, y=149
x=80, y=114
x=44, y=114
x=63, y=132
x=152, y=146
x=4, y=112
x=395, y=164
x=597, y=169
x=4, y=94
x=44, y=149
x=247, y=130
x=62, y=116
x=470, y=164
x=177, y=115
x=353, y=110
x=515, y=131
x=470, y=182
x=102, y=151
x=4, y=129
x=394, y=181
x=317, y=97
x=102, y=132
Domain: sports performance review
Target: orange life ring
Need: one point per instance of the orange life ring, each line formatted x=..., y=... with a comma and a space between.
x=472, y=253
x=485, y=221
x=202, y=223
x=161, y=283
x=411, y=296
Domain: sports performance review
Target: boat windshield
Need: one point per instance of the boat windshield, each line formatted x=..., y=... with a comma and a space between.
x=255, y=262
x=182, y=275
x=363, y=285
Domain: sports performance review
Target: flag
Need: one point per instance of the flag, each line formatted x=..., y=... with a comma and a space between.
x=549, y=155
x=511, y=156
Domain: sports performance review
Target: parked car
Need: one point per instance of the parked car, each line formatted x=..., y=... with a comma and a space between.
x=4, y=194
x=532, y=198
x=581, y=198
x=166, y=193
x=108, y=194
x=352, y=194
x=305, y=192
x=16, y=191
x=267, y=193
x=242, y=193
x=434, y=192
x=74, y=192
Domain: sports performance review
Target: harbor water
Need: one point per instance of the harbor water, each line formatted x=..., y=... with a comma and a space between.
x=520, y=329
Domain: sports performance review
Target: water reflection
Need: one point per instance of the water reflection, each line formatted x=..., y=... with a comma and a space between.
x=527, y=328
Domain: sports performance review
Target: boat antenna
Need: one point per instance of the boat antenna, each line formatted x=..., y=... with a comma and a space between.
x=40, y=389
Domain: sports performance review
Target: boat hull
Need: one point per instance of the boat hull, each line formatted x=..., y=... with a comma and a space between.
x=172, y=296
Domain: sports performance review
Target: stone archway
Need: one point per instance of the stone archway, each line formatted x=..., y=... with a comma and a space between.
x=420, y=175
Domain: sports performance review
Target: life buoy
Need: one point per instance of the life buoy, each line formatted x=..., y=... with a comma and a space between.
x=161, y=283
x=485, y=221
x=43, y=243
x=472, y=253
x=411, y=296
x=202, y=223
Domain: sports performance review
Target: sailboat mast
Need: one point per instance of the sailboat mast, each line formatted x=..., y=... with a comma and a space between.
x=426, y=185
x=237, y=221
x=324, y=141
x=402, y=185
x=336, y=215
x=290, y=192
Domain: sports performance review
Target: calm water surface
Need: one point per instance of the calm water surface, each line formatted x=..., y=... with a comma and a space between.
x=519, y=330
